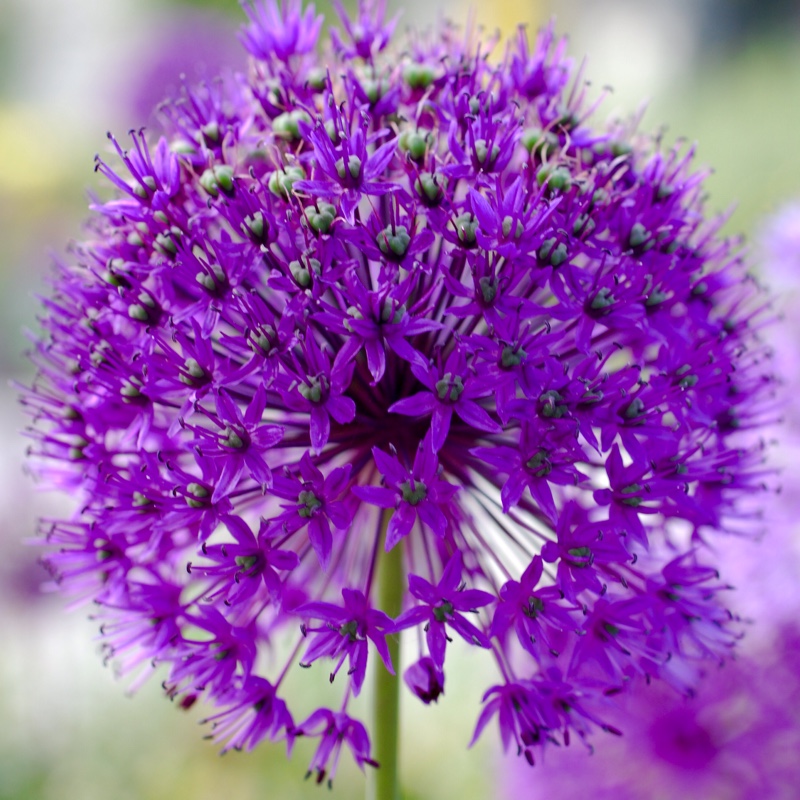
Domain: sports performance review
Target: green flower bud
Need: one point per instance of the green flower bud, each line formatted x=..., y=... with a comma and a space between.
x=255, y=226
x=553, y=252
x=639, y=235
x=301, y=271
x=584, y=226
x=231, y=439
x=540, y=464
x=183, y=148
x=552, y=405
x=210, y=132
x=466, y=227
x=488, y=289
x=602, y=300
x=557, y=179
x=482, y=153
x=196, y=494
x=508, y=222
x=415, y=143
x=413, y=496
x=286, y=125
x=317, y=78
x=535, y=139
x=449, y=387
x=353, y=167
x=280, y=182
x=418, y=76
x=310, y=504
x=512, y=357
x=320, y=217
x=634, y=409
x=394, y=240
x=430, y=187
x=165, y=245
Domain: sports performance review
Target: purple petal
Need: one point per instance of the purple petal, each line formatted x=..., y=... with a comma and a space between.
x=400, y=524
x=338, y=515
x=468, y=632
x=389, y=467
x=437, y=641
x=358, y=665
x=433, y=517
x=376, y=358
x=475, y=416
x=319, y=534
x=440, y=425
x=451, y=577
x=375, y=495
x=283, y=559
x=423, y=590
x=411, y=618
x=415, y=406
x=336, y=482
x=379, y=160
x=320, y=428
x=256, y=408
x=231, y=472
x=342, y=409
x=259, y=470
x=266, y=436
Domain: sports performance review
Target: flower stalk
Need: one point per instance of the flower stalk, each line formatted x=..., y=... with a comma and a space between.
x=383, y=783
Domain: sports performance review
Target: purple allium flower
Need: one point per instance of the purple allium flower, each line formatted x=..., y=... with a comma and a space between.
x=425, y=679
x=345, y=633
x=400, y=297
x=335, y=729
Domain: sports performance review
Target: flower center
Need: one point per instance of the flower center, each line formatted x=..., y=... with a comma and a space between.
x=449, y=387
x=443, y=611
x=310, y=504
x=315, y=389
x=350, y=629
x=413, y=496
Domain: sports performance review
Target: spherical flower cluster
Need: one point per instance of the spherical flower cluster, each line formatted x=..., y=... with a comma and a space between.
x=407, y=301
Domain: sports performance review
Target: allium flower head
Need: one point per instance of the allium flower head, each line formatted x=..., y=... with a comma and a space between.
x=400, y=298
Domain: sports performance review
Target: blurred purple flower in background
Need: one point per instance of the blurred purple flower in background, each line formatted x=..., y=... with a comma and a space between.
x=185, y=45
x=340, y=311
x=737, y=739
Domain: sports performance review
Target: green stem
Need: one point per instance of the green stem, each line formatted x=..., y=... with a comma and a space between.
x=383, y=783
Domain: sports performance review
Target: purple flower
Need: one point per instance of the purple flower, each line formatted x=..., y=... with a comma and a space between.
x=319, y=390
x=531, y=713
x=728, y=741
x=238, y=441
x=335, y=729
x=345, y=633
x=425, y=679
x=540, y=616
x=316, y=504
x=256, y=712
x=242, y=568
x=442, y=606
x=452, y=388
x=415, y=494
x=280, y=29
x=381, y=295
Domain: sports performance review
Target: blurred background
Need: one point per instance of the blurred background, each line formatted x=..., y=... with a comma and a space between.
x=724, y=73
